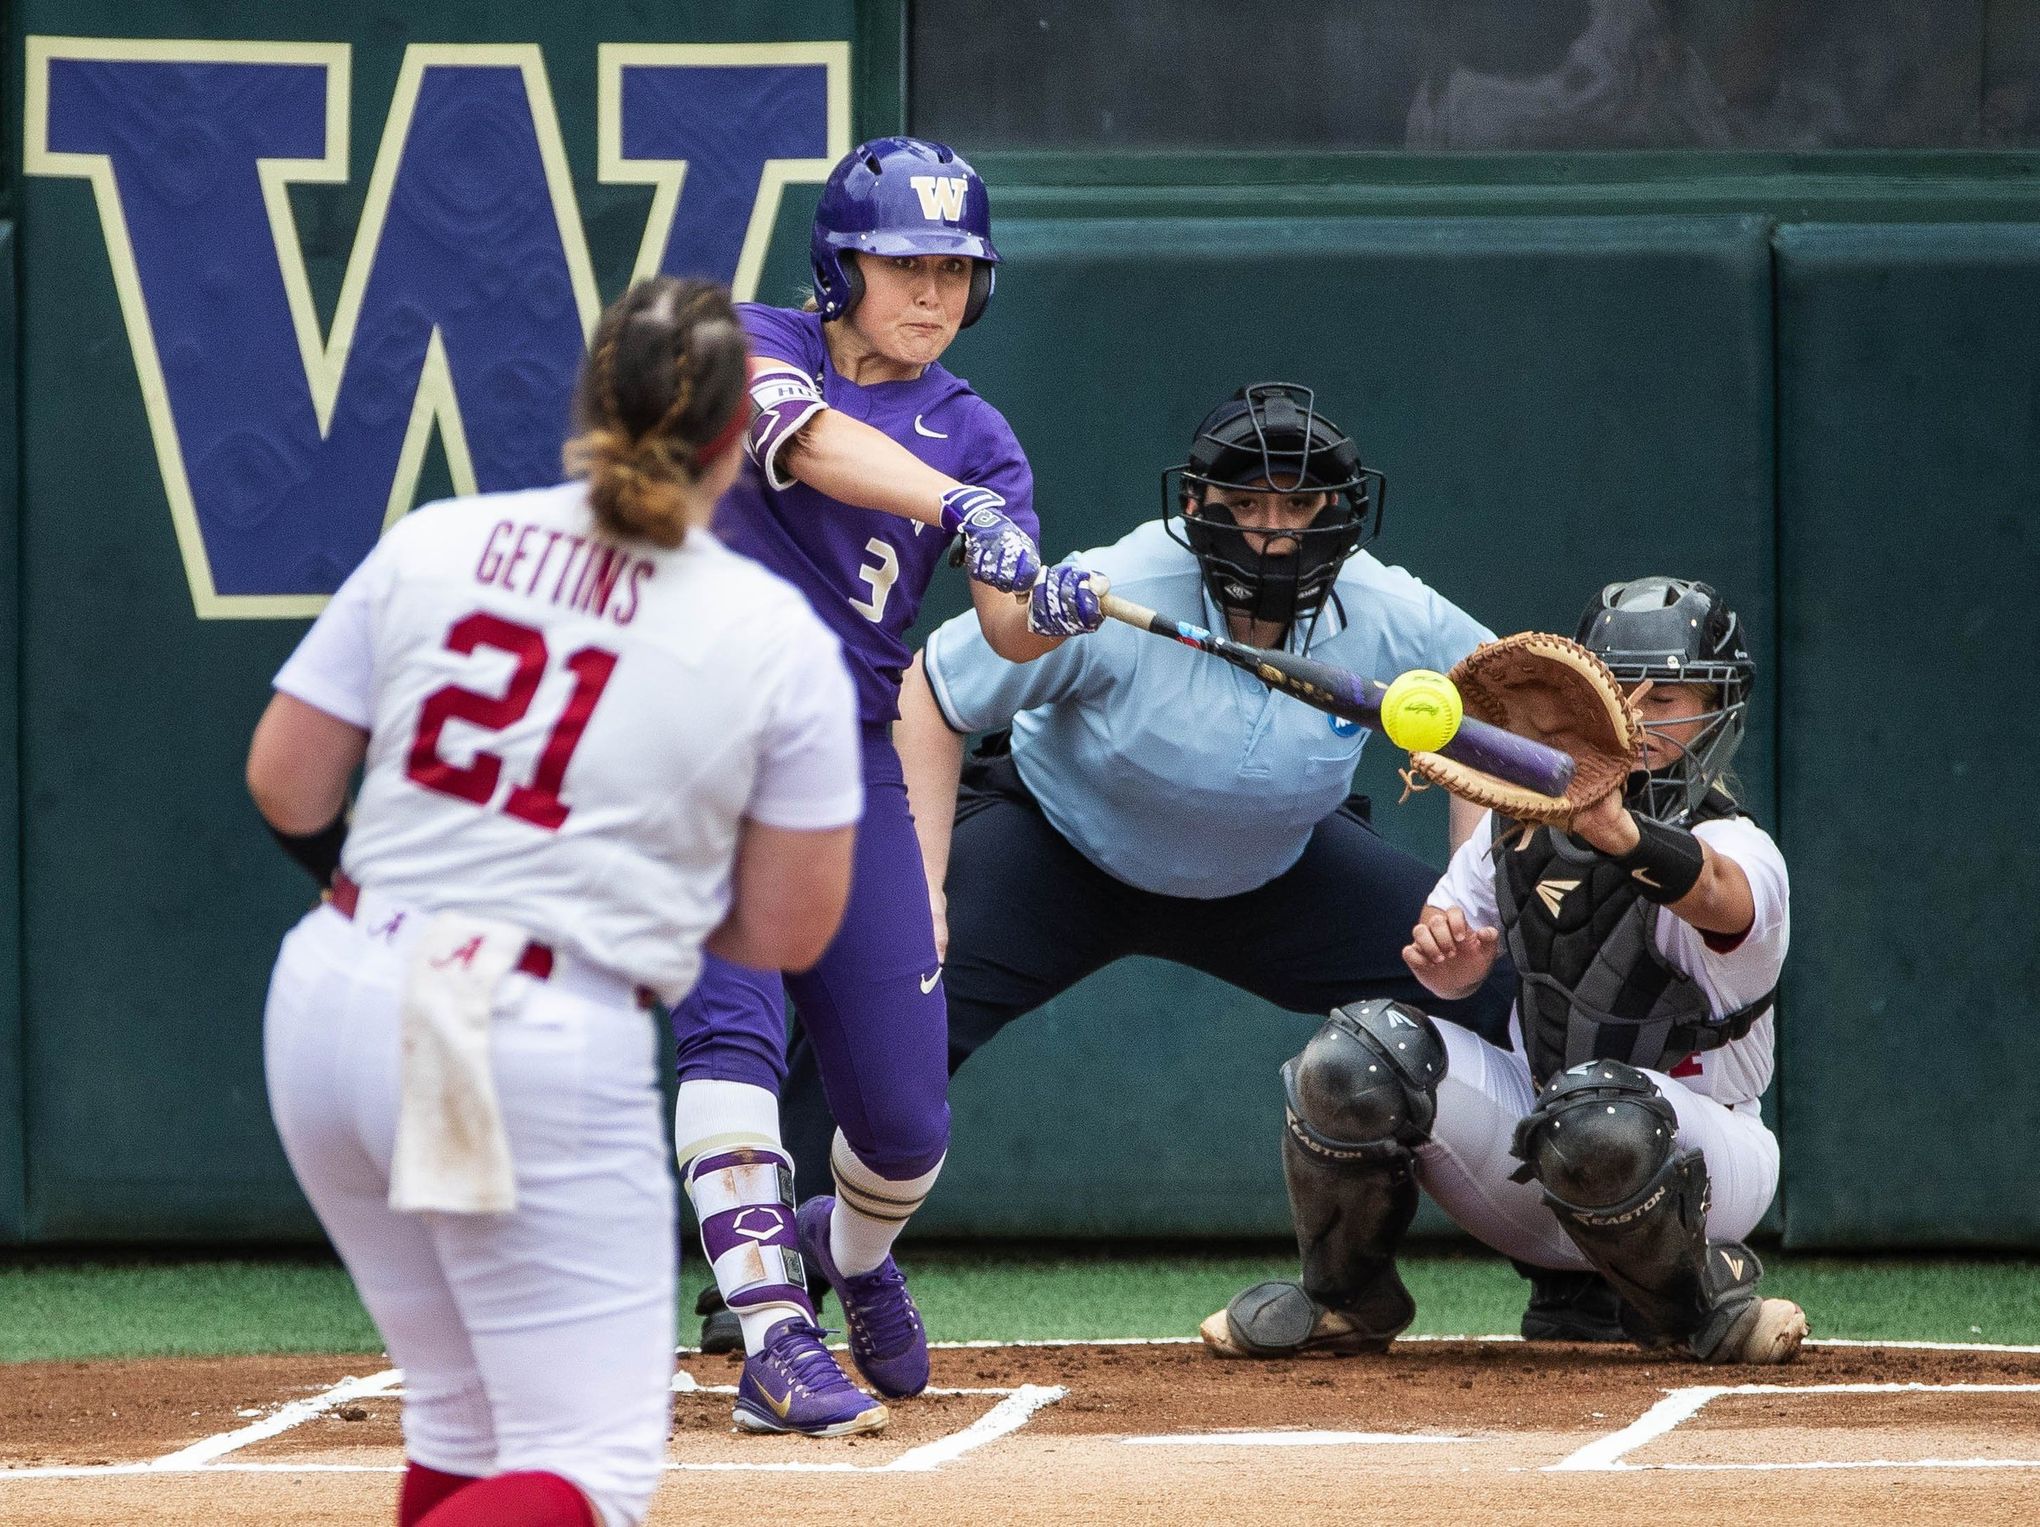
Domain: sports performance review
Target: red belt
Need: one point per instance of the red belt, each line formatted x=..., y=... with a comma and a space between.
x=536, y=961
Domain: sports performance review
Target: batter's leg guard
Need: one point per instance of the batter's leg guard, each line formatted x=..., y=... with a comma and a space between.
x=1360, y=1097
x=743, y=1197
x=1603, y=1144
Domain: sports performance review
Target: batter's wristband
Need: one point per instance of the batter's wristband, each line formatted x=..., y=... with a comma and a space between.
x=1666, y=862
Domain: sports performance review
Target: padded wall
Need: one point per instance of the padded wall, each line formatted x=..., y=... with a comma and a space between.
x=155, y=897
x=1556, y=403
x=1909, y=421
x=11, y=1142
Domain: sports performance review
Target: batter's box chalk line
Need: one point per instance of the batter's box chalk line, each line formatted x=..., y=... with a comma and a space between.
x=1015, y=1408
x=1290, y=1439
x=1608, y=1454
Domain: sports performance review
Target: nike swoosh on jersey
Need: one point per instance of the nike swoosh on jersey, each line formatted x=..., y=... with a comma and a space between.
x=928, y=982
x=922, y=429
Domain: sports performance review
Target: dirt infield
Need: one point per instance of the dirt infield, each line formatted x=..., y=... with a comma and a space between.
x=1465, y=1432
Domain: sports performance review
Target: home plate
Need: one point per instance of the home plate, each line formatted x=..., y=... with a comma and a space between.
x=1287, y=1439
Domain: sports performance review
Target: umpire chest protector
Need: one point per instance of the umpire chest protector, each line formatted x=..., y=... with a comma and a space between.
x=1593, y=985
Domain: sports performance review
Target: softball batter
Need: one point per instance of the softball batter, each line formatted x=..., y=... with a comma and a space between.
x=1621, y=1132
x=868, y=460
x=596, y=743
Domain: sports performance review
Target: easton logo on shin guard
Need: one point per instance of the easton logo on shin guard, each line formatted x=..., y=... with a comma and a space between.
x=1626, y=1216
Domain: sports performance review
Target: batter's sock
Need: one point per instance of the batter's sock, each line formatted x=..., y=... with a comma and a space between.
x=871, y=1210
x=529, y=1499
x=740, y=1180
x=425, y=1488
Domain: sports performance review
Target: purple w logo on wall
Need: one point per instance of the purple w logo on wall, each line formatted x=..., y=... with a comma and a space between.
x=288, y=440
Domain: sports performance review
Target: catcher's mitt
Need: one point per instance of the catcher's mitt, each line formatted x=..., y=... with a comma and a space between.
x=1556, y=691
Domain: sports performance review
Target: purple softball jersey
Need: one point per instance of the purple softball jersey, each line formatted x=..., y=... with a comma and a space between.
x=864, y=571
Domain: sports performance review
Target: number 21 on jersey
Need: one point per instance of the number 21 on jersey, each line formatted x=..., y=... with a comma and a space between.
x=537, y=800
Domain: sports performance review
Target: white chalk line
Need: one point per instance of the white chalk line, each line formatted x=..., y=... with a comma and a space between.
x=1012, y=1412
x=208, y=1452
x=295, y=1414
x=1608, y=1454
x=1015, y=1408
x=1288, y=1439
x=1009, y=1415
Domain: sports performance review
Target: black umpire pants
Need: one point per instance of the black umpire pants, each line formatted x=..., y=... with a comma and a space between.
x=1029, y=917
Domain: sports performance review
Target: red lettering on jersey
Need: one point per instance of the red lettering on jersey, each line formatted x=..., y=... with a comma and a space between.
x=560, y=583
x=517, y=555
x=1690, y=1066
x=492, y=559
x=633, y=589
x=606, y=563
x=538, y=802
x=464, y=955
x=552, y=539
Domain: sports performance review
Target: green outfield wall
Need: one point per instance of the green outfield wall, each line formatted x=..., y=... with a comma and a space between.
x=280, y=280
x=12, y=1141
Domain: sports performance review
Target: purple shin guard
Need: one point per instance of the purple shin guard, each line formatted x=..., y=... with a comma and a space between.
x=744, y=1200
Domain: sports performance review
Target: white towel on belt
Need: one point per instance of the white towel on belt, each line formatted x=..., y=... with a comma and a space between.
x=452, y=1153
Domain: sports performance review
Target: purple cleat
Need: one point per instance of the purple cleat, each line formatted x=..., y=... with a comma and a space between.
x=886, y=1335
x=795, y=1385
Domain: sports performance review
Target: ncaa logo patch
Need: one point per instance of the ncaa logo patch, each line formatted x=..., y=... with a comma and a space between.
x=1342, y=726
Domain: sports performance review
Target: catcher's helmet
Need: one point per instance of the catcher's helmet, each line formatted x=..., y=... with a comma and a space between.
x=1269, y=435
x=900, y=196
x=1675, y=631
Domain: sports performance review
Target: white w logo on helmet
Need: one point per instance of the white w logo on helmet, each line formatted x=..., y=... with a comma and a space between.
x=941, y=196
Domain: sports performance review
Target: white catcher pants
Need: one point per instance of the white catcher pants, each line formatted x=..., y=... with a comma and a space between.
x=1466, y=1165
x=540, y=1339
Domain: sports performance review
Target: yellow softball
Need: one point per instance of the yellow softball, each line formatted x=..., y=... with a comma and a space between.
x=1421, y=711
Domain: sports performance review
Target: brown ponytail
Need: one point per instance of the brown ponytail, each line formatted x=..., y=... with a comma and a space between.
x=665, y=377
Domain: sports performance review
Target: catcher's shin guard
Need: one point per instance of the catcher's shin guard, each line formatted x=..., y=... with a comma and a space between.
x=1602, y=1142
x=1360, y=1097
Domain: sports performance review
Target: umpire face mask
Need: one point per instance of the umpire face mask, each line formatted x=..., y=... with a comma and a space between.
x=1257, y=561
x=1269, y=440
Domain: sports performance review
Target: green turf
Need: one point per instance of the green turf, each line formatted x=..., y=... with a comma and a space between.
x=52, y=1308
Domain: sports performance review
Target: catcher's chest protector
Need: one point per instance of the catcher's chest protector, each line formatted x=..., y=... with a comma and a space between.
x=1592, y=985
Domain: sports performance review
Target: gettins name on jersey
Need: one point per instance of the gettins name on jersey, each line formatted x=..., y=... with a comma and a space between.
x=592, y=577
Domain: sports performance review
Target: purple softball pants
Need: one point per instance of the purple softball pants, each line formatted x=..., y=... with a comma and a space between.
x=873, y=1006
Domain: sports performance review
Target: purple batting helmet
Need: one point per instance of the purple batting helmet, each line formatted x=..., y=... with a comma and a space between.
x=901, y=196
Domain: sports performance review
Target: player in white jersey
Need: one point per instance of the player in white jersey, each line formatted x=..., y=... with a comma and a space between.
x=1621, y=1132
x=595, y=743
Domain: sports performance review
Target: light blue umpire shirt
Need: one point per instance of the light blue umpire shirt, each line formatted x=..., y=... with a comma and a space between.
x=1166, y=767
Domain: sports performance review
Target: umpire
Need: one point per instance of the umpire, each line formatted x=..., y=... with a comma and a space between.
x=1156, y=802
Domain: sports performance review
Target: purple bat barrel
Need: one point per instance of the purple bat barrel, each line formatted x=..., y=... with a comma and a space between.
x=1494, y=751
x=1534, y=765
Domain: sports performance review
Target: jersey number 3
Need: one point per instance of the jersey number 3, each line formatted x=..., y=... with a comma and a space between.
x=537, y=802
x=881, y=575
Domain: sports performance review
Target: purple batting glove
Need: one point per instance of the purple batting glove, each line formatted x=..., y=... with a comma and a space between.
x=1064, y=602
x=995, y=550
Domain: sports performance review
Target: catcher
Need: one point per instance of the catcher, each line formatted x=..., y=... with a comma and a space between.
x=1621, y=1132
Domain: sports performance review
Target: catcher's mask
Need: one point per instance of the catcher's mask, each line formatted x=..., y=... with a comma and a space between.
x=1675, y=631
x=1267, y=437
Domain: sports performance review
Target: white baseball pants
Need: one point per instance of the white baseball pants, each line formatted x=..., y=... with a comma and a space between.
x=1466, y=1166
x=539, y=1339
